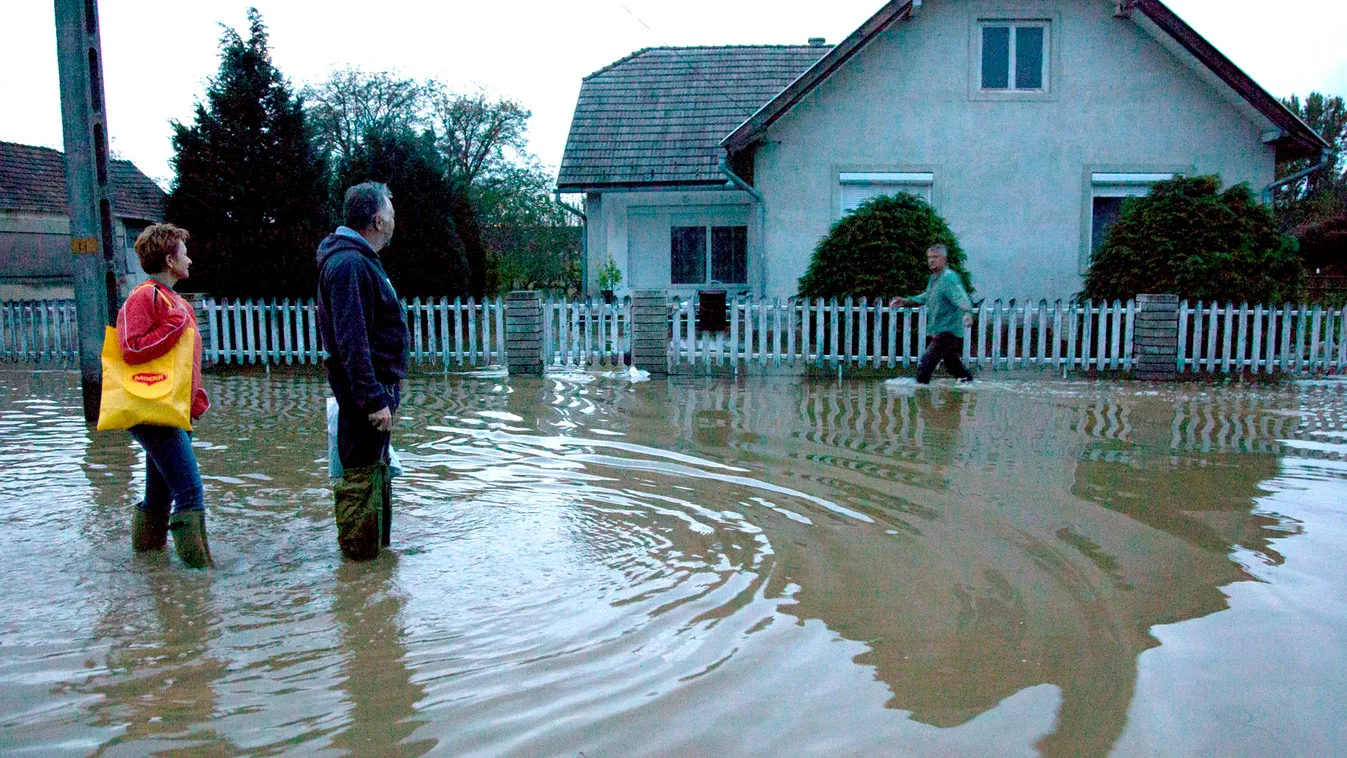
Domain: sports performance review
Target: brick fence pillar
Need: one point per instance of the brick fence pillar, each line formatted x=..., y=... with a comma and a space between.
x=1155, y=344
x=650, y=331
x=524, y=332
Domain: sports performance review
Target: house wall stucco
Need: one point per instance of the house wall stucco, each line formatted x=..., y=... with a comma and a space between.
x=1012, y=176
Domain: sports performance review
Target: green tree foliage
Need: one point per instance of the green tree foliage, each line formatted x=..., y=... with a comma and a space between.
x=1315, y=209
x=879, y=251
x=481, y=136
x=532, y=242
x=484, y=141
x=1322, y=194
x=249, y=185
x=352, y=102
x=1188, y=238
x=425, y=257
x=511, y=232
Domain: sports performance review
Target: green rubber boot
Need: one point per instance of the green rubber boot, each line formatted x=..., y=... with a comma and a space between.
x=189, y=537
x=149, y=531
x=359, y=498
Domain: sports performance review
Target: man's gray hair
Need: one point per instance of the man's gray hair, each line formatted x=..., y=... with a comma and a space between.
x=362, y=202
x=939, y=247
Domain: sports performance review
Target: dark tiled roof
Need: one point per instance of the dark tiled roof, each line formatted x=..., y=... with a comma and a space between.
x=658, y=115
x=33, y=179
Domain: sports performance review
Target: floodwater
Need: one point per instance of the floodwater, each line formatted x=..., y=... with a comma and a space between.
x=773, y=566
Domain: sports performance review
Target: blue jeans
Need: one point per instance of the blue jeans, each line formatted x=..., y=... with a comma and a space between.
x=171, y=474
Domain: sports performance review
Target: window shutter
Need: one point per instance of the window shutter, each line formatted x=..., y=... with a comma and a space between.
x=858, y=187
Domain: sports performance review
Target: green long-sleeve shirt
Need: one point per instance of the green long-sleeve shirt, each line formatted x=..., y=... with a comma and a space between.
x=946, y=301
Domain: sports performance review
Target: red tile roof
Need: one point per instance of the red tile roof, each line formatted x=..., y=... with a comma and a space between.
x=33, y=179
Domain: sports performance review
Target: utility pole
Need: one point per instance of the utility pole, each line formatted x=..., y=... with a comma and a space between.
x=84, y=121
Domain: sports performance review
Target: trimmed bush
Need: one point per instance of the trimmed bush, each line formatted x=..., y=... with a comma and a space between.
x=880, y=251
x=1188, y=238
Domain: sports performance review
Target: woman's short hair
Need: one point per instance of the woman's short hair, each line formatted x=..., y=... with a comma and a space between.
x=156, y=243
x=939, y=248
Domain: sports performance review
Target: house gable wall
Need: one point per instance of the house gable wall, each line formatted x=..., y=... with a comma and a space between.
x=1012, y=175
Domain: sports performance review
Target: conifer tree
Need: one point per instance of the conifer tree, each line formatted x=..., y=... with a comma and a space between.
x=426, y=256
x=249, y=184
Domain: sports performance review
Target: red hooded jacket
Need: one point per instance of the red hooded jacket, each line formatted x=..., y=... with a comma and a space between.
x=150, y=324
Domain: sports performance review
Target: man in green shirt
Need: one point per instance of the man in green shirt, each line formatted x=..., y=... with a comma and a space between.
x=949, y=313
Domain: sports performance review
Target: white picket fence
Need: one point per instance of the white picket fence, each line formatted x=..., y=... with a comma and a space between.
x=275, y=332
x=38, y=331
x=859, y=334
x=1058, y=336
x=585, y=333
x=443, y=332
x=1011, y=335
x=1230, y=338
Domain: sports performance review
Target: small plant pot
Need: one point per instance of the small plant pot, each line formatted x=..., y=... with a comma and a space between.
x=608, y=298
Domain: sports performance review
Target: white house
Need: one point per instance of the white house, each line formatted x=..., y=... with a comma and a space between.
x=1024, y=122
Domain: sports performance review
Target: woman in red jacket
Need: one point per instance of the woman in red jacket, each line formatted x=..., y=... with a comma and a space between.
x=149, y=324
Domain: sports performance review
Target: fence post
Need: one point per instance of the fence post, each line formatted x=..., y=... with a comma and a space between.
x=524, y=332
x=650, y=331
x=1156, y=344
x=201, y=308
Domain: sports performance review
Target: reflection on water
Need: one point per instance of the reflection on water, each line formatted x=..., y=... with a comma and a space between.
x=765, y=567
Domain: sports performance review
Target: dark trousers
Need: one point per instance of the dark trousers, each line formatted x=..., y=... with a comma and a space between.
x=172, y=478
x=358, y=442
x=942, y=347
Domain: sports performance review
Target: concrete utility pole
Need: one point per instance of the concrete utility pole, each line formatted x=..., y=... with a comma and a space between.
x=83, y=118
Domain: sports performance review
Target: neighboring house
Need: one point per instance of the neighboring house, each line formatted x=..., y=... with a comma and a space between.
x=35, y=257
x=1024, y=123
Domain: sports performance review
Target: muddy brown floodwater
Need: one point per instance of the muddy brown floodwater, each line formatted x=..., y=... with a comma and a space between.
x=695, y=567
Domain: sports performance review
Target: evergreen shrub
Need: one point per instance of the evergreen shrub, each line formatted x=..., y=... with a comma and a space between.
x=879, y=251
x=1190, y=239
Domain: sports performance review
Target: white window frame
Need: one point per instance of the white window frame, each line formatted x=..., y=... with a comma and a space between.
x=710, y=280
x=1015, y=24
x=899, y=181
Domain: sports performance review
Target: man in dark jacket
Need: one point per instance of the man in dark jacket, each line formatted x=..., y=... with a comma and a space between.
x=365, y=332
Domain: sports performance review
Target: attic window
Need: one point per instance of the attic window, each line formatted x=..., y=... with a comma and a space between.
x=1014, y=55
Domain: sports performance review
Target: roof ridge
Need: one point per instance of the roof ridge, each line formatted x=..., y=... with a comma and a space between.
x=7, y=143
x=638, y=53
x=618, y=62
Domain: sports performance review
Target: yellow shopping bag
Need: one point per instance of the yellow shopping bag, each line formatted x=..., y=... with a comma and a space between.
x=158, y=392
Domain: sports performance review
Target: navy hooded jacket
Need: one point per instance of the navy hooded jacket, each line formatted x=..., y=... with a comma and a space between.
x=361, y=322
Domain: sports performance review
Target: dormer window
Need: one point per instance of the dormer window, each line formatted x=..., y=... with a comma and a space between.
x=1014, y=55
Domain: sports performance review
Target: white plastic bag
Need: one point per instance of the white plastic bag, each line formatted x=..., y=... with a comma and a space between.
x=334, y=468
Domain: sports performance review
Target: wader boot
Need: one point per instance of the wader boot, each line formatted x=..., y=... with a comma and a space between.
x=359, y=509
x=189, y=537
x=149, y=530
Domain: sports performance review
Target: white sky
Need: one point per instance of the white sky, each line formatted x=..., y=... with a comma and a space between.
x=159, y=53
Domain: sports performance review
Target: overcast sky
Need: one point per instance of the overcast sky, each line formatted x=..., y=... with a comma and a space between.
x=159, y=53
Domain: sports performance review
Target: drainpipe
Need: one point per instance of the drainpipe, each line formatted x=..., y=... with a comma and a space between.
x=1268, y=190
x=759, y=222
x=584, y=240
